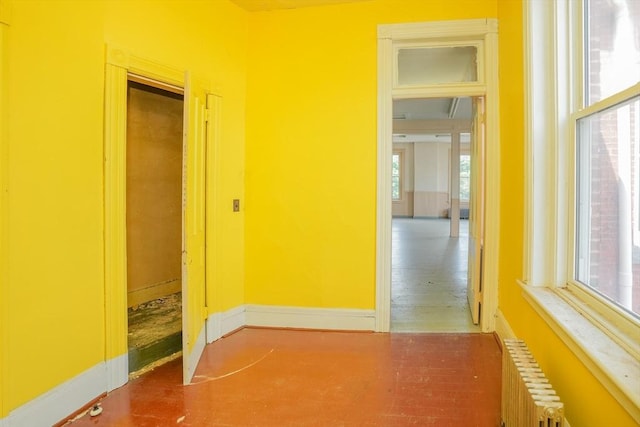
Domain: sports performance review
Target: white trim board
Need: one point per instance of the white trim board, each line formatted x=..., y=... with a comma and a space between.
x=503, y=329
x=220, y=324
x=58, y=403
x=117, y=371
x=310, y=318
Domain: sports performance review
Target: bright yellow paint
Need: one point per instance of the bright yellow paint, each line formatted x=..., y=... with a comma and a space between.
x=4, y=114
x=264, y=5
x=55, y=294
x=311, y=149
x=56, y=66
x=301, y=84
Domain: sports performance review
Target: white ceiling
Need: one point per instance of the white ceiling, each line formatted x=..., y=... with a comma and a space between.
x=465, y=138
x=431, y=109
x=266, y=5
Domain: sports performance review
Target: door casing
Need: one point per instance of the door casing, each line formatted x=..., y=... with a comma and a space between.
x=119, y=64
x=484, y=34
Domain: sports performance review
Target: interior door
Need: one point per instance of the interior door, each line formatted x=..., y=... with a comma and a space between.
x=193, y=245
x=476, y=210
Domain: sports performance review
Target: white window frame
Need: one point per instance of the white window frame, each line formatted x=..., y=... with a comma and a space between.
x=605, y=338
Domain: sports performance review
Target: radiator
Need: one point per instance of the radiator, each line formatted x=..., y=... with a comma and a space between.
x=528, y=400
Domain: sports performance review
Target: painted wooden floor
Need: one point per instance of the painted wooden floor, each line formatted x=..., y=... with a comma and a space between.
x=264, y=377
x=429, y=277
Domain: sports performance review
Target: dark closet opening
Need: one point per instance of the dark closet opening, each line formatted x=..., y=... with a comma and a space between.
x=154, y=224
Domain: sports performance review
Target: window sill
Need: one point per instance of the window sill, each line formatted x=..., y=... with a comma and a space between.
x=610, y=363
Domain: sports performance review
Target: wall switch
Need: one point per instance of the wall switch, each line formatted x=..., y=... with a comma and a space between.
x=236, y=205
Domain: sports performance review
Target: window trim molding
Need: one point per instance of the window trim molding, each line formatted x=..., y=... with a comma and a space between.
x=546, y=123
x=603, y=337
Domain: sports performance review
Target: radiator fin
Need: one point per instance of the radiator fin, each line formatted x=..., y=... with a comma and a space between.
x=528, y=400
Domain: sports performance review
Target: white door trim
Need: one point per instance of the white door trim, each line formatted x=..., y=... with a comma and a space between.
x=119, y=64
x=484, y=31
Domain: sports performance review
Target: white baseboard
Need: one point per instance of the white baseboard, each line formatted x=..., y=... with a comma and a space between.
x=503, y=329
x=214, y=327
x=194, y=356
x=310, y=318
x=61, y=401
x=220, y=324
x=117, y=372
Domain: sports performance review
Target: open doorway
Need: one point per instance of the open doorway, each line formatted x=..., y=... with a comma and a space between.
x=430, y=60
x=154, y=217
x=430, y=210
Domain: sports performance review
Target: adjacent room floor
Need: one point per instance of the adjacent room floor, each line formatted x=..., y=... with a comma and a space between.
x=264, y=377
x=155, y=330
x=429, y=277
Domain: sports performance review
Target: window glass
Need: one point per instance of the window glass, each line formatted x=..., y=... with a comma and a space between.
x=465, y=176
x=395, y=176
x=437, y=65
x=612, y=47
x=607, y=252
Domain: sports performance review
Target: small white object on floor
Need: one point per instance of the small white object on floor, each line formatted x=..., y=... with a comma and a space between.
x=95, y=411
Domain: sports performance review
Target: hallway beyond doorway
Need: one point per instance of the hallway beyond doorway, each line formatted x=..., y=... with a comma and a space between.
x=429, y=277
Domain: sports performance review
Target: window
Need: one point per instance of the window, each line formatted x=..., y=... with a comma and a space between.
x=396, y=175
x=582, y=269
x=607, y=137
x=465, y=176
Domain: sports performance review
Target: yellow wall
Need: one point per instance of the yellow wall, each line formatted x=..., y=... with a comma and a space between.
x=56, y=78
x=311, y=149
x=4, y=20
x=55, y=294
x=587, y=402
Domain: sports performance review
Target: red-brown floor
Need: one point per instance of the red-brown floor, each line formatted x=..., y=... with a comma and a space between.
x=264, y=377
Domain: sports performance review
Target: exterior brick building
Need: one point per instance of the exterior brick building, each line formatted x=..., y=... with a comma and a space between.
x=606, y=186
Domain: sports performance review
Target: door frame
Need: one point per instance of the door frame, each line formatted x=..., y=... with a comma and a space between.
x=478, y=32
x=119, y=64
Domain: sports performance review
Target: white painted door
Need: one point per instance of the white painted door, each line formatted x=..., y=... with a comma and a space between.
x=193, y=247
x=476, y=210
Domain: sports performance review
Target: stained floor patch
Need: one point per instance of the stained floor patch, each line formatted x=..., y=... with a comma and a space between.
x=155, y=330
